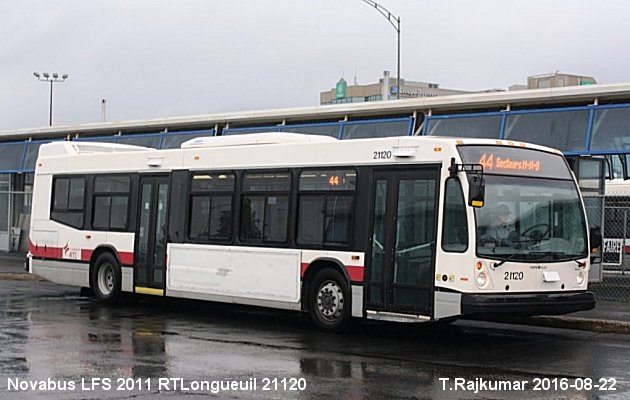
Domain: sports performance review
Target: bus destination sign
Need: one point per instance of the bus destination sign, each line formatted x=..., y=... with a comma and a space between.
x=518, y=161
x=490, y=162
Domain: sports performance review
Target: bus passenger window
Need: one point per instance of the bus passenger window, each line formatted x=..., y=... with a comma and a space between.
x=326, y=207
x=265, y=206
x=68, y=201
x=111, y=202
x=252, y=223
x=211, y=200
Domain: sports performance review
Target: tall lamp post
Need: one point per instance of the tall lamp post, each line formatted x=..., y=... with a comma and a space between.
x=46, y=77
x=395, y=21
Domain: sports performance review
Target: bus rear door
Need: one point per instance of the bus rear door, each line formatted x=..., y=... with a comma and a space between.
x=150, y=249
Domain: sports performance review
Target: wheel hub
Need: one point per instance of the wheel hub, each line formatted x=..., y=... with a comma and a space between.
x=330, y=300
x=106, y=278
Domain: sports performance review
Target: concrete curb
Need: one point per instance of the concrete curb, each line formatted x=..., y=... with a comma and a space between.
x=576, y=323
x=589, y=324
x=19, y=277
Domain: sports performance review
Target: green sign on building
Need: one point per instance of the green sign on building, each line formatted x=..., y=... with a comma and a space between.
x=341, y=88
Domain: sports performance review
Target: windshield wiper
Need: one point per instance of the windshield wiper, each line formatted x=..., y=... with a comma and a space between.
x=508, y=258
x=555, y=255
x=519, y=251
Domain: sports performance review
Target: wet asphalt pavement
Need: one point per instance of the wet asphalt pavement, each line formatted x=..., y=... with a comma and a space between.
x=52, y=338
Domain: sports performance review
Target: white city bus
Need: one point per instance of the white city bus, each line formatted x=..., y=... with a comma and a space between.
x=397, y=229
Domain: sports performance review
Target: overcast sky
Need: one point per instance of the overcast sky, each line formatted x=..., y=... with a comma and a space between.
x=157, y=58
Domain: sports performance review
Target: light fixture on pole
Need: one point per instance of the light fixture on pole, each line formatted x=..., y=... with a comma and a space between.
x=395, y=21
x=55, y=78
x=103, y=109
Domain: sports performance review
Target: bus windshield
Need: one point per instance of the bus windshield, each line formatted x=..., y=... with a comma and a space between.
x=531, y=219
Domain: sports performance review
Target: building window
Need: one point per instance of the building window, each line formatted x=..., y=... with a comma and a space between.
x=326, y=207
x=474, y=126
x=111, y=202
x=348, y=100
x=564, y=130
x=68, y=201
x=265, y=206
x=211, y=207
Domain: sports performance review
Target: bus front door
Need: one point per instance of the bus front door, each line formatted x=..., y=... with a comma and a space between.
x=150, y=249
x=401, y=263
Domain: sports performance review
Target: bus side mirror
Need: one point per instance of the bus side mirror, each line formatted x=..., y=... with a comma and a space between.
x=476, y=183
x=595, y=237
x=476, y=190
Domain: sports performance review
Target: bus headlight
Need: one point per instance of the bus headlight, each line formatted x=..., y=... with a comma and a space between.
x=581, y=277
x=481, y=279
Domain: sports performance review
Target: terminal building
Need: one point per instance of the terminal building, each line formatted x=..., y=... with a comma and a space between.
x=585, y=121
x=556, y=79
x=385, y=89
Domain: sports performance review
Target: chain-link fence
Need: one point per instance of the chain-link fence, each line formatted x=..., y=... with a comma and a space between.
x=615, y=254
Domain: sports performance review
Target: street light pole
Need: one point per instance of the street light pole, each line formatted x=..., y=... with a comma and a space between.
x=55, y=78
x=395, y=22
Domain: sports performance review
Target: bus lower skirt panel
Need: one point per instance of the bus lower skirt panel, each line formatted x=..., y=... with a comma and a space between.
x=62, y=272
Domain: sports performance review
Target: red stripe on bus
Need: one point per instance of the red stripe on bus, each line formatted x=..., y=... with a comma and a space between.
x=354, y=272
x=303, y=268
x=44, y=251
x=126, y=258
x=86, y=254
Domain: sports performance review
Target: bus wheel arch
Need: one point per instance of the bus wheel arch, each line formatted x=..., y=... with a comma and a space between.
x=327, y=295
x=105, y=275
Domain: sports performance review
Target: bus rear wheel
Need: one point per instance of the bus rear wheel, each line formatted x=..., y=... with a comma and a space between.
x=106, y=278
x=329, y=301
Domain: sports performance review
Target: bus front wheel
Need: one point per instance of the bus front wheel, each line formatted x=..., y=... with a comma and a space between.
x=329, y=300
x=106, y=278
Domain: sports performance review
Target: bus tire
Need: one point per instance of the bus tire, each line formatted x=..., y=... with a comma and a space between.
x=329, y=301
x=106, y=278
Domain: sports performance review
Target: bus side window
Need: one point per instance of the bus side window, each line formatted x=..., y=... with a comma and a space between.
x=326, y=207
x=68, y=199
x=111, y=202
x=455, y=228
x=265, y=206
x=211, y=202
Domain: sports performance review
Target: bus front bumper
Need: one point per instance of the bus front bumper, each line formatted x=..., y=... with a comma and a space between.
x=527, y=303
